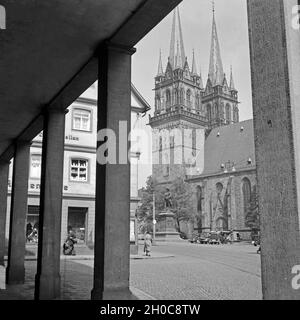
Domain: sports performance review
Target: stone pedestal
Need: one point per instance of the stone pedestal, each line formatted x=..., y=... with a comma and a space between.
x=166, y=227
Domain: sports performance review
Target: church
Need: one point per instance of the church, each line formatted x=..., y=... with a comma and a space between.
x=196, y=134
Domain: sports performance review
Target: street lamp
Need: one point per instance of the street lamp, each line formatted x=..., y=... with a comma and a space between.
x=153, y=219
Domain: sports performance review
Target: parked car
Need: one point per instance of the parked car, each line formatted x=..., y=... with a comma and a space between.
x=214, y=238
x=195, y=238
x=204, y=238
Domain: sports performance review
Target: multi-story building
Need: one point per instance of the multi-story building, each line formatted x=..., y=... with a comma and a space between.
x=78, y=206
x=197, y=134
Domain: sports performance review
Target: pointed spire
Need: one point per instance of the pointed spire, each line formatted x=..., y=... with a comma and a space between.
x=232, y=87
x=215, y=64
x=160, y=71
x=177, y=52
x=201, y=82
x=194, y=66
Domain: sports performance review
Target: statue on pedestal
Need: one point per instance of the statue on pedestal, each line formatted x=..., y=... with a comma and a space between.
x=168, y=199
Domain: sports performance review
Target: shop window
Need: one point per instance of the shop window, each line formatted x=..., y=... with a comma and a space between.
x=77, y=218
x=82, y=120
x=32, y=224
x=79, y=170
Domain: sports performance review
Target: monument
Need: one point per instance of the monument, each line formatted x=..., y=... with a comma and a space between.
x=166, y=226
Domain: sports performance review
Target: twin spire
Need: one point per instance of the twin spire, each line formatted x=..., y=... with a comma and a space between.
x=177, y=52
x=177, y=57
x=216, y=71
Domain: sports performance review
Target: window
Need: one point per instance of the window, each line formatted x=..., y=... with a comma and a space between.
x=82, y=120
x=35, y=166
x=219, y=187
x=168, y=98
x=188, y=98
x=79, y=170
x=209, y=115
x=246, y=190
x=194, y=143
x=158, y=103
x=227, y=113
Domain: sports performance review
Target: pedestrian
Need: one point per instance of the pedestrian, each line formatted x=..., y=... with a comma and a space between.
x=147, y=244
x=68, y=246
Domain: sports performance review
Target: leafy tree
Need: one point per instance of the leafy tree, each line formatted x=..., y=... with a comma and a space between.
x=182, y=201
x=145, y=211
x=252, y=219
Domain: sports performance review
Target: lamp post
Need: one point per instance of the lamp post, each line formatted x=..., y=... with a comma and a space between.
x=153, y=219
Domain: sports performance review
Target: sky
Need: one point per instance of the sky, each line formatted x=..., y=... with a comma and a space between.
x=196, y=21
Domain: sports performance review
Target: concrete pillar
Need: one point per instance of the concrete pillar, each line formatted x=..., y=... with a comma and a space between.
x=112, y=216
x=15, y=271
x=4, y=170
x=47, y=281
x=275, y=68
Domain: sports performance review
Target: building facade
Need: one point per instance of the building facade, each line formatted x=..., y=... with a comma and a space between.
x=78, y=206
x=197, y=135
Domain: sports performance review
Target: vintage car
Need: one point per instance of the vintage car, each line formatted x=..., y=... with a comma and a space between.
x=214, y=238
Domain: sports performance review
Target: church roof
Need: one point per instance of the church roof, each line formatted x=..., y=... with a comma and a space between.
x=234, y=143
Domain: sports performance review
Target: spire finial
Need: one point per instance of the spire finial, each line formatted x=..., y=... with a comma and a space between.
x=160, y=71
x=194, y=65
x=213, y=7
x=176, y=52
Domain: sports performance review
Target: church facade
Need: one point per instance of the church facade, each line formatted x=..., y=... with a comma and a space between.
x=196, y=134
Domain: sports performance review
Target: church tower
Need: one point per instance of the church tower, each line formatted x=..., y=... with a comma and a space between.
x=179, y=121
x=219, y=98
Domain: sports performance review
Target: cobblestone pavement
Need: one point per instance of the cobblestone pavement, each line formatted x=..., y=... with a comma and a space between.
x=175, y=271
x=201, y=272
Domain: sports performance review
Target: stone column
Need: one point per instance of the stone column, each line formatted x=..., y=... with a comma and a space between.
x=275, y=68
x=47, y=280
x=4, y=170
x=112, y=216
x=15, y=271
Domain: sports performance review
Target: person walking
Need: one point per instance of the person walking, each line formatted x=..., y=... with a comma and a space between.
x=147, y=244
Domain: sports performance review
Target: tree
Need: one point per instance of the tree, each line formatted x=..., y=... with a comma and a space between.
x=145, y=211
x=252, y=219
x=182, y=201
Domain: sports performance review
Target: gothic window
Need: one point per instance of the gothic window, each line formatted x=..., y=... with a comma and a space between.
x=158, y=103
x=188, y=98
x=168, y=98
x=236, y=115
x=182, y=96
x=160, y=143
x=219, y=187
x=197, y=102
x=246, y=191
x=227, y=113
x=172, y=141
x=194, y=146
x=209, y=115
x=199, y=199
x=176, y=96
x=216, y=111
x=166, y=166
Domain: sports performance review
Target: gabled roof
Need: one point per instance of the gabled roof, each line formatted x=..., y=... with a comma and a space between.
x=234, y=143
x=138, y=103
